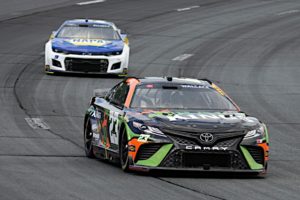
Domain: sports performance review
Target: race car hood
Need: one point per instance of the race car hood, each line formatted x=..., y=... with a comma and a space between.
x=195, y=121
x=87, y=45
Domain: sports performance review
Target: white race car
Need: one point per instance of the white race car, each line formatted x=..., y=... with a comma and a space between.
x=87, y=46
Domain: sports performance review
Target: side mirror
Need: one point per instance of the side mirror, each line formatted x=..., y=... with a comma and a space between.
x=119, y=31
x=125, y=38
x=52, y=35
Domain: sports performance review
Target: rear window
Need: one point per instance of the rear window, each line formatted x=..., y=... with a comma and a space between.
x=200, y=97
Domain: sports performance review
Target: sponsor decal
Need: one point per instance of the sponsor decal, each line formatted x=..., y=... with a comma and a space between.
x=104, y=140
x=94, y=127
x=96, y=136
x=101, y=25
x=96, y=114
x=88, y=42
x=149, y=86
x=131, y=148
x=195, y=86
x=143, y=138
x=207, y=116
x=194, y=147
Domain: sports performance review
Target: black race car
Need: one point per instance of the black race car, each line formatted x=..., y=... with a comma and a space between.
x=175, y=124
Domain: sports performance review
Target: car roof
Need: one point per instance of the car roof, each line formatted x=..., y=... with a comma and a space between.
x=88, y=21
x=172, y=80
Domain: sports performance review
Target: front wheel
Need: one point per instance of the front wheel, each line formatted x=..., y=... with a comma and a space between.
x=47, y=70
x=124, y=159
x=124, y=74
x=88, y=137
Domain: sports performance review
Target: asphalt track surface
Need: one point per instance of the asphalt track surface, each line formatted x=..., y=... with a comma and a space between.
x=250, y=48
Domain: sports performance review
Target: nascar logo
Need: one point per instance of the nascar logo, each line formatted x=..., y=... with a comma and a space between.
x=87, y=42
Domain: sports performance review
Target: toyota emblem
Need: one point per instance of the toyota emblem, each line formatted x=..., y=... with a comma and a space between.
x=206, y=137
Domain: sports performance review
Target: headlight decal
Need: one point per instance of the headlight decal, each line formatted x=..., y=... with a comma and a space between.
x=130, y=133
x=142, y=128
x=256, y=133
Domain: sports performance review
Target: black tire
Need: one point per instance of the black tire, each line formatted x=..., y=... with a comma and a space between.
x=124, y=74
x=47, y=71
x=124, y=159
x=87, y=137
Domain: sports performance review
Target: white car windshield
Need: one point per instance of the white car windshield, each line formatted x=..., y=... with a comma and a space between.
x=102, y=32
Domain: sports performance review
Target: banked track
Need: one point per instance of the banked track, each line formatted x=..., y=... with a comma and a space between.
x=250, y=48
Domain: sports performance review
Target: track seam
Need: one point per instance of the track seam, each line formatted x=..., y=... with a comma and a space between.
x=190, y=189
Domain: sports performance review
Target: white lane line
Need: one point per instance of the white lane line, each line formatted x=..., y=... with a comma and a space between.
x=182, y=57
x=89, y=2
x=36, y=123
x=288, y=12
x=187, y=8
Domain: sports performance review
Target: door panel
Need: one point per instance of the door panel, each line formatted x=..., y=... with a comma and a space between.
x=110, y=110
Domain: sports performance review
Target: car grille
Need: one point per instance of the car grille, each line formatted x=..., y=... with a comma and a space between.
x=232, y=160
x=147, y=150
x=194, y=137
x=202, y=159
x=228, y=143
x=183, y=140
x=193, y=141
x=86, y=65
x=257, y=153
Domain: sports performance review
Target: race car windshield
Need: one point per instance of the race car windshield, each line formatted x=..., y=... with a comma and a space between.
x=180, y=97
x=88, y=32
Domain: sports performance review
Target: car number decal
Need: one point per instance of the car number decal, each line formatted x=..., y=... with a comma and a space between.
x=143, y=138
x=114, y=127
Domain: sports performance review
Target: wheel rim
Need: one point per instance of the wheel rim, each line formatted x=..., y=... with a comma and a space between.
x=88, y=135
x=124, y=149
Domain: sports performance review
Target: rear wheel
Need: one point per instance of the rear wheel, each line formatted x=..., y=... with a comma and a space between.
x=88, y=136
x=124, y=159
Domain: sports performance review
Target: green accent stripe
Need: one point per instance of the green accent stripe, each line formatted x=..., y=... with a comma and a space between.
x=130, y=133
x=250, y=160
x=156, y=158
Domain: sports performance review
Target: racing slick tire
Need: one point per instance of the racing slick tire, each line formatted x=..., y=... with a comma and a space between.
x=47, y=70
x=124, y=74
x=124, y=158
x=88, y=136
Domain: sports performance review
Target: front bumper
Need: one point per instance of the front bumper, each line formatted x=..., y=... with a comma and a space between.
x=225, y=156
x=96, y=64
x=230, y=152
x=148, y=169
